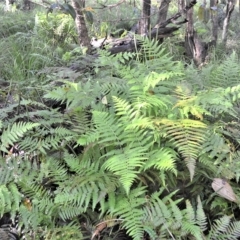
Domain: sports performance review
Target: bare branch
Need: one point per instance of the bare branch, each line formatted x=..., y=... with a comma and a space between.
x=176, y=16
x=112, y=5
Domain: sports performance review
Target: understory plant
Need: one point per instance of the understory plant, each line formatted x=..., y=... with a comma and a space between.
x=128, y=152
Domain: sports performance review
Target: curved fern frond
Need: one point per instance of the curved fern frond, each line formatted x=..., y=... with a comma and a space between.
x=223, y=228
x=162, y=159
x=129, y=210
x=187, y=135
x=201, y=219
x=13, y=133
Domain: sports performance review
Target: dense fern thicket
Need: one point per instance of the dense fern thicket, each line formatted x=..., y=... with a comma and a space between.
x=133, y=153
x=138, y=147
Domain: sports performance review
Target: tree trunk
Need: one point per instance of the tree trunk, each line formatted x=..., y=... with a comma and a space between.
x=195, y=48
x=229, y=10
x=82, y=30
x=214, y=19
x=163, y=11
x=181, y=5
x=144, y=23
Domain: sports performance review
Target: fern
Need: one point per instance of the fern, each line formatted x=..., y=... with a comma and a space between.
x=129, y=211
x=115, y=150
x=201, y=219
x=224, y=229
x=187, y=135
x=226, y=74
x=12, y=134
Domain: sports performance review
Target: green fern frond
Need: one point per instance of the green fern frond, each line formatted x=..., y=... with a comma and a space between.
x=192, y=229
x=32, y=218
x=5, y=198
x=46, y=138
x=9, y=194
x=215, y=144
x=125, y=164
x=154, y=78
x=201, y=219
x=151, y=48
x=190, y=212
x=129, y=210
x=232, y=93
x=69, y=212
x=224, y=74
x=217, y=102
x=107, y=134
x=161, y=159
x=194, y=221
x=53, y=169
x=234, y=229
x=13, y=133
x=159, y=214
x=223, y=228
x=90, y=184
x=187, y=135
x=6, y=173
x=33, y=190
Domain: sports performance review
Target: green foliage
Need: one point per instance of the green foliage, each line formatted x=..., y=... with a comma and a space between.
x=225, y=229
x=56, y=27
x=12, y=23
x=136, y=142
x=64, y=8
x=13, y=134
x=224, y=75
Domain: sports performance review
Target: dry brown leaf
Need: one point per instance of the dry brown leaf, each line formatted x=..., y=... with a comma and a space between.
x=223, y=189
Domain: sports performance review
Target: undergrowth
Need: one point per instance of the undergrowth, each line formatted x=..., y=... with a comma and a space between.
x=127, y=148
x=131, y=150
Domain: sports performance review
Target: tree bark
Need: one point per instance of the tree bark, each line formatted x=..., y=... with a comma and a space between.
x=160, y=31
x=214, y=19
x=229, y=10
x=181, y=5
x=144, y=23
x=82, y=30
x=163, y=11
x=195, y=48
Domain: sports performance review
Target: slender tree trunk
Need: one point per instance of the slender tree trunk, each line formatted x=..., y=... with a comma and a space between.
x=229, y=10
x=195, y=48
x=214, y=19
x=144, y=23
x=82, y=30
x=163, y=11
x=181, y=5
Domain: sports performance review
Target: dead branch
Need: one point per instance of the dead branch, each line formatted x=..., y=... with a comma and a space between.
x=130, y=44
x=112, y=5
x=176, y=16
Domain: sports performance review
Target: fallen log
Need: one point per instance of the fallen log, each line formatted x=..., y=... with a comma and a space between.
x=129, y=43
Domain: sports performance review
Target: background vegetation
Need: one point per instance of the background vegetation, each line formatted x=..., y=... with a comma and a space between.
x=135, y=145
